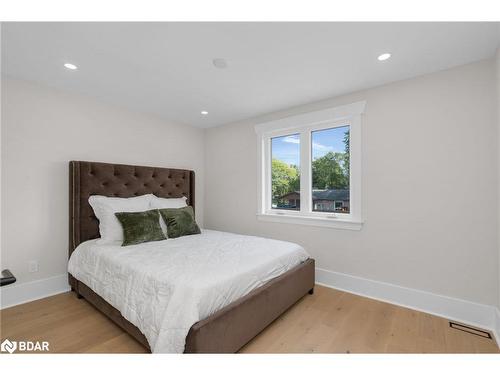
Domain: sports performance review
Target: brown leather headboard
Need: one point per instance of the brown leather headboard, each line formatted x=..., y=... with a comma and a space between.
x=117, y=180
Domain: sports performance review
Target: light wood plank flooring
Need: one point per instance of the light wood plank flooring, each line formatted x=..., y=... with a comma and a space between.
x=329, y=321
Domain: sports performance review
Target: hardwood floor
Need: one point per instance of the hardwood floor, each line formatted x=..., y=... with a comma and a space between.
x=329, y=321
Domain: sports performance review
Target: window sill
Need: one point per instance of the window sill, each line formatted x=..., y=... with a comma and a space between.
x=337, y=223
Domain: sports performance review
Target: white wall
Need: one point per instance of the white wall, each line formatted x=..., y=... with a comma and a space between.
x=42, y=130
x=429, y=186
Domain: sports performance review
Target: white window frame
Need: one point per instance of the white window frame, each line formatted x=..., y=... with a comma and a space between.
x=304, y=125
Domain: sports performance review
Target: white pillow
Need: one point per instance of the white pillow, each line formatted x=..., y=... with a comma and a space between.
x=159, y=203
x=104, y=209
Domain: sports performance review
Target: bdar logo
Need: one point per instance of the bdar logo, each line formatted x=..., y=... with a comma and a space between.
x=24, y=346
x=8, y=346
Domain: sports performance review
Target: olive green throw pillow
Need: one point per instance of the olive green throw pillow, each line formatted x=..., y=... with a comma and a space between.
x=180, y=221
x=139, y=227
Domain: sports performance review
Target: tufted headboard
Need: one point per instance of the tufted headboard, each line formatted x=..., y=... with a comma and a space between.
x=117, y=180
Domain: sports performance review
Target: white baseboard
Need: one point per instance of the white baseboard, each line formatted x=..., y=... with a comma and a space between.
x=496, y=332
x=471, y=313
x=16, y=294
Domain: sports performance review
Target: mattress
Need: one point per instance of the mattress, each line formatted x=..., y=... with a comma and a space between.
x=164, y=287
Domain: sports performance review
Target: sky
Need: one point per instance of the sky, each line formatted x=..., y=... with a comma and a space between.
x=287, y=148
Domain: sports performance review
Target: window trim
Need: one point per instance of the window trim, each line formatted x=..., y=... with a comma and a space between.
x=304, y=124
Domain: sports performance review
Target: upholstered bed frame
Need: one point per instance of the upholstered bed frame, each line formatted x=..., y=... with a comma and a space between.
x=227, y=330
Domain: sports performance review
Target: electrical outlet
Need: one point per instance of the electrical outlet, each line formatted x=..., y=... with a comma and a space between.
x=33, y=266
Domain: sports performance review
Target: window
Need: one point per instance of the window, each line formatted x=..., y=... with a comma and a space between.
x=330, y=166
x=310, y=168
x=285, y=172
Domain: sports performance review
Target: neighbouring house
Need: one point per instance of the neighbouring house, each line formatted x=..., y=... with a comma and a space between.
x=329, y=200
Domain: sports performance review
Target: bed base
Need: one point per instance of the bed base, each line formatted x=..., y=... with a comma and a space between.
x=229, y=329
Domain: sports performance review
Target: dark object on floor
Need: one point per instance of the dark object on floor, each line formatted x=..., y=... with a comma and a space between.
x=7, y=278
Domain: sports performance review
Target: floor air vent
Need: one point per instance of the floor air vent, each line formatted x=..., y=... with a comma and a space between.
x=472, y=330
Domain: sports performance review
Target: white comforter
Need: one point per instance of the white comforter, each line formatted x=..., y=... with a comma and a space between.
x=165, y=287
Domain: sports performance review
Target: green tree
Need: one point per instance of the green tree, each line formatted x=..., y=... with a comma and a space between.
x=332, y=171
x=285, y=178
x=328, y=171
x=347, y=147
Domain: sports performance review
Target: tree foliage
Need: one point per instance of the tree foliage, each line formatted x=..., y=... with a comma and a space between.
x=328, y=171
x=285, y=178
x=331, y=171
x=347, y=150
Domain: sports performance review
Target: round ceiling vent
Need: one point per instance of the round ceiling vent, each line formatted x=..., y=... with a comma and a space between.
x=220, y=63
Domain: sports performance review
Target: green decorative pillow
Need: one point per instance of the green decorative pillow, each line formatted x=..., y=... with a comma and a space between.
x=139, y=227
x=180, y=221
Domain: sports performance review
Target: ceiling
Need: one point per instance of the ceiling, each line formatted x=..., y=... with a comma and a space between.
x=166, y=69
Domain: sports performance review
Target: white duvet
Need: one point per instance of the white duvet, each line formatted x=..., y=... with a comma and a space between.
x=164, y=287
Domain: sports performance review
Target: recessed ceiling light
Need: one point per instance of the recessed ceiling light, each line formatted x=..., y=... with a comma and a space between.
x=220, y=63
x=384, y=56
x=70, y=66
x=204, y=113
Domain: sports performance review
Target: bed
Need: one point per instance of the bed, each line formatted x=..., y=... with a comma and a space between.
x=223, y=330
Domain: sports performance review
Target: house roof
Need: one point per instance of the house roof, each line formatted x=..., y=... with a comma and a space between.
x=327, y=194
x=331, y=194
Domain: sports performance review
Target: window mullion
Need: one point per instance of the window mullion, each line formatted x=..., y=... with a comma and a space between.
x=305, y=172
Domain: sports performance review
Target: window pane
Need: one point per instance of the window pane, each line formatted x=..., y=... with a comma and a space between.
x=285, y=172
x=330, y=170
